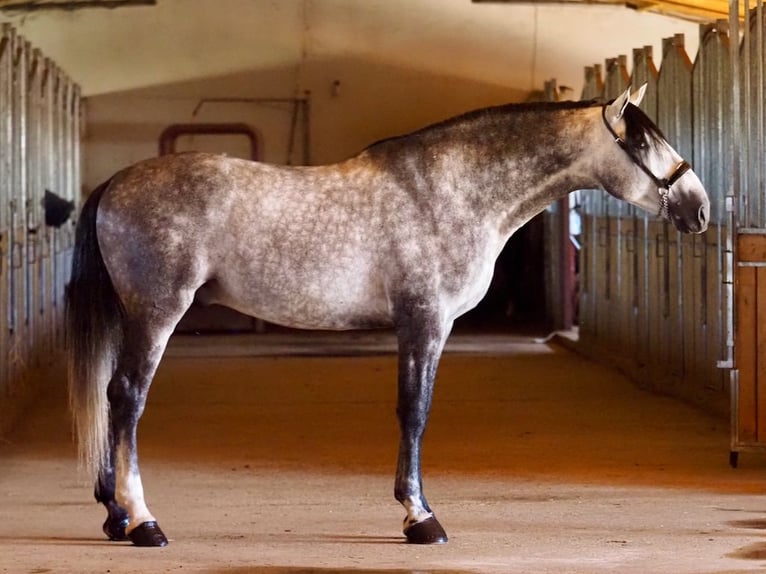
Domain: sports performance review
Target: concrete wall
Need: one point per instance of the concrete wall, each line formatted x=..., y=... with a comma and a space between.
x=399, y=64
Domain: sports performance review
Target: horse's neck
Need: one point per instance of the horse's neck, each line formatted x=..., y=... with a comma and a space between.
x=523, y=162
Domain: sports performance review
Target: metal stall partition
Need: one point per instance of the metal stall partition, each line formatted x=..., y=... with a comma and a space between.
x=618, y=269
x=32, y=205
x=656, y=299
x=559, y=251
x=18, y=343
x=711, y=83
x=66, y=134
x=604, y=250
x=674, y=116
x=644, y=72
x=39, y=151
x=590, y=289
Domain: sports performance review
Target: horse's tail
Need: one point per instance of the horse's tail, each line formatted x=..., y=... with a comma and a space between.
x=93, y=331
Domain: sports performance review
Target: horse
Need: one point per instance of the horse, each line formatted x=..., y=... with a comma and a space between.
x=402, y=236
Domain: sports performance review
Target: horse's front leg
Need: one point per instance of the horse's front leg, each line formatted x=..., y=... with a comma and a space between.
x=421, y=334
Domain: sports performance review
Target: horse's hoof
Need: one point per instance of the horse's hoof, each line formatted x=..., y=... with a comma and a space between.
x=148, y=534
x=429, y=531
x=114, y=528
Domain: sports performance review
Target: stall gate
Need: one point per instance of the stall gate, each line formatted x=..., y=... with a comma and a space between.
x=748, y=132
x=39, y=151
x=650, y=296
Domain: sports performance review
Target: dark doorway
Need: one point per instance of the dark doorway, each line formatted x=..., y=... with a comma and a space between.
x=516, y=297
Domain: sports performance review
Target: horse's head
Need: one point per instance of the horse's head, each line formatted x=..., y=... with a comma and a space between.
x=643, y=168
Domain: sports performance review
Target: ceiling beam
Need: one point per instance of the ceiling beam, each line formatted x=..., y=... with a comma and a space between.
x=40, y=5
x=703, y=11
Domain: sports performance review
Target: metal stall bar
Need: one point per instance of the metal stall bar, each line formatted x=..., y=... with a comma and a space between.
x=17, y=325
x=45, y=234
x=72, y=192
x=754, y=203
x=6, y=166
x=59, y=182
x=619, y=312
x=732, y=207
x=645, y=282
x=552, y=220
x=560, y=281
x=711, y=86
x=674, y=117
x=590, y=211
x=31, y=211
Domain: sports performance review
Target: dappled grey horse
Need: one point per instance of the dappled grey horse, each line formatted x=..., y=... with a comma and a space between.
x=403, y=235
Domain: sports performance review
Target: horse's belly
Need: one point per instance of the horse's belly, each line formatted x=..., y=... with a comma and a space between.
x=336, y=303
x=474, y=289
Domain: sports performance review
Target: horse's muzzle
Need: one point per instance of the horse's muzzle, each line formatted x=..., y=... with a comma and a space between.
x=695, y=222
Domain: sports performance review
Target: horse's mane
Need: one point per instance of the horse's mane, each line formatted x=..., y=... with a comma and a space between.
x=638, y=124
x=488, y=113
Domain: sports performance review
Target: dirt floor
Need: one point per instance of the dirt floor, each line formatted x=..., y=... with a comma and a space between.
x=536, y=461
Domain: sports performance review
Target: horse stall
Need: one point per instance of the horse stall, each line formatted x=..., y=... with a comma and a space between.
x=583, y=411
x=40, y=131
x=749, y=173
x=696, y=322
x=645, y=286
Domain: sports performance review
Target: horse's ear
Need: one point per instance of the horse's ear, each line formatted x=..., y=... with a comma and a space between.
x=615, y=110
x=638, y=95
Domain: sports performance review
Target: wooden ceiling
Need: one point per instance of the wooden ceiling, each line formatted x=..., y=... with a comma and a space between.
x=693, y=10
x=41, y=5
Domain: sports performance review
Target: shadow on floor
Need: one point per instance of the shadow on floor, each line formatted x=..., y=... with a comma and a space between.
x=311, y=570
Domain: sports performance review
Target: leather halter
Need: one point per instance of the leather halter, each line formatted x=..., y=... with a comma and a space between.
x=664, y=184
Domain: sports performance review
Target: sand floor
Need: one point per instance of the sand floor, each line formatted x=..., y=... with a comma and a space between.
x=536, y=460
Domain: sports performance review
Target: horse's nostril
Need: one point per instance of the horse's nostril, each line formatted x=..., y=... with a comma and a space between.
x=702, y=217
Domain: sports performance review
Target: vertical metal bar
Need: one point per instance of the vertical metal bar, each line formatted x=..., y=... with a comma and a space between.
x=733, y=201
x=75, y=161
x=745, y=209
x=43, y=235
x=45, y=302
x=31, y=219
x=6, y=167
x=644, y=72
x=589, y=291
x=18, y=263
x=758, y=176
x=616, y=82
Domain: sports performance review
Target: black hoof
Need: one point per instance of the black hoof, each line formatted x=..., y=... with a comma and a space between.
x=114, y=527
x=427, y=532
x=148, y=534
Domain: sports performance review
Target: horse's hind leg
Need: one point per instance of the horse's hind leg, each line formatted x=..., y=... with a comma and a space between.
x=142, y=350
x=117, y=518
x=421, y=334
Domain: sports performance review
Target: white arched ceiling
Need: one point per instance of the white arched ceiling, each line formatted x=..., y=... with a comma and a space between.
x=513, y=45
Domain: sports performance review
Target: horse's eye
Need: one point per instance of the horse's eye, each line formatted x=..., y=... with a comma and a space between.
x=642, y=145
